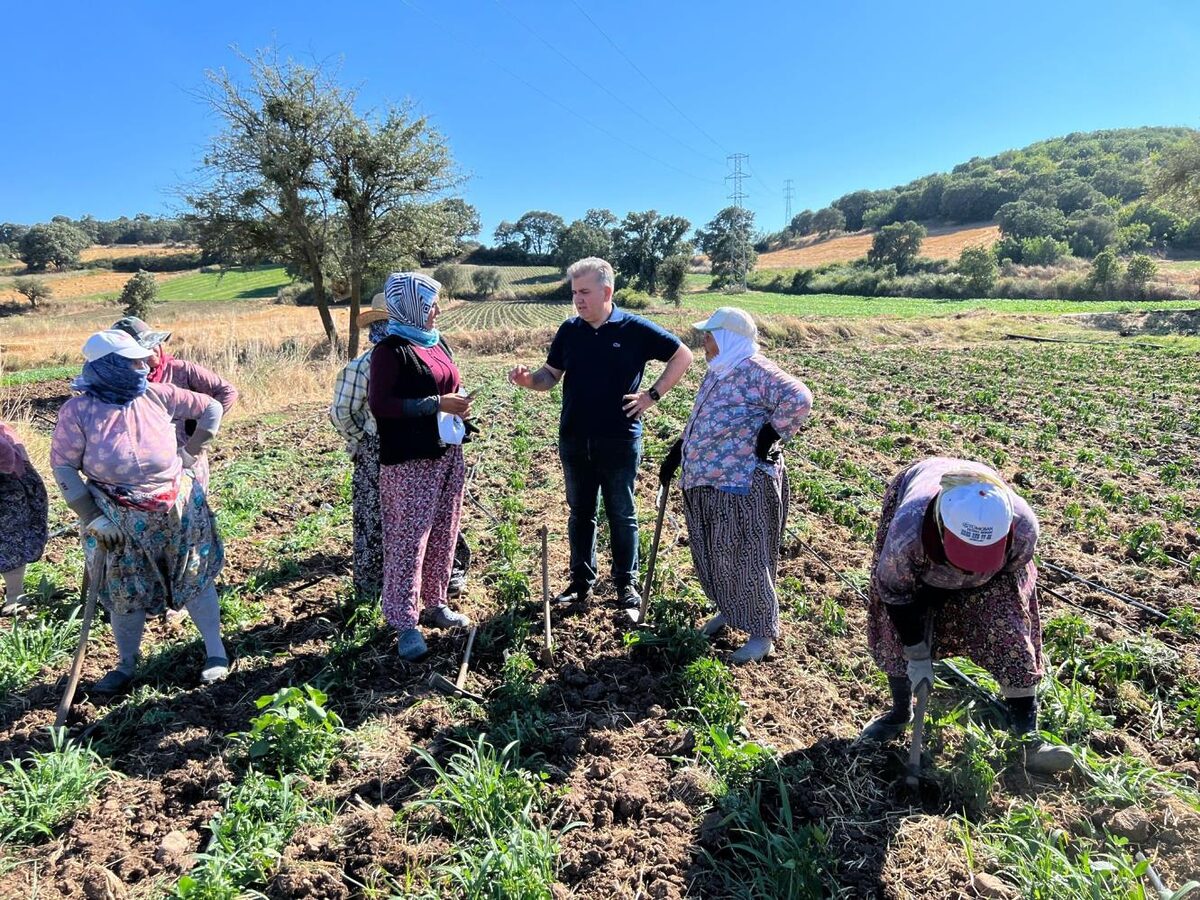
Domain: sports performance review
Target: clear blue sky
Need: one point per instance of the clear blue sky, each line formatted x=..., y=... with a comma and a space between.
x=101, y=116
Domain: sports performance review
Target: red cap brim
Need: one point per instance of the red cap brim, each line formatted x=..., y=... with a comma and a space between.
x=972, y=557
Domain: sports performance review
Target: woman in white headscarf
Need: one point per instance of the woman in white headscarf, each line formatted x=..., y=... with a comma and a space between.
x=734, y=486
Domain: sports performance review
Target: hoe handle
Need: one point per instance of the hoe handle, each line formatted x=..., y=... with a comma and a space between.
x=89, y=591
x=466, y=663
x=658, y=524
x=547, y=640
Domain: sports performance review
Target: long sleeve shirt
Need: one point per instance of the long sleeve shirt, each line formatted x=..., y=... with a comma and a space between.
x=13, y=457
x=201, y=380
x=721, y=434
x=911, y=554
x=129, y=451
x=350, y=412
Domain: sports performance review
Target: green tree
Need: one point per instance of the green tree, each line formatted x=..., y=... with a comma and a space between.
x=455, y=279
x=379, y=170
x=35, y=290
x=673, y=273
x=1106, y=271
x=1022, y=219
x=139, y=295
x=828, y=220
x=643, y=240
x=1092, y=232
x=1139, y=271
x=978, y=266
x=52, y=244
x=727, y=240
x=802, y=223
x=486, y=281
x=897, y=244
x=537, y=231
x=264, y=193
x=600, y=218
x=1042, y=251
x=582, y=239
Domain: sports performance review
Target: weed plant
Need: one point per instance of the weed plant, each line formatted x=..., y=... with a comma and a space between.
x=705, y=688
x=295, y=732
x=515, y=711
x=1068, y=710
x=261, y=815
x=770, y=853
x=670, y=632
x=30, y=645
x=45, y=790
x=734, y=762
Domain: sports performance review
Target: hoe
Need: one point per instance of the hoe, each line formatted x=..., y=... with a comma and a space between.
x=455, y=688
x=639, y=615
x=547, y=656
x=90, y=591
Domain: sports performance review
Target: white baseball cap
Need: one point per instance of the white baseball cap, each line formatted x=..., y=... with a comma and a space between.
x=102, y=343
x=731, y=319
x=976, y=519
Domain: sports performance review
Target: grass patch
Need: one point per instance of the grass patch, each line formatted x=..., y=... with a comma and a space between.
x=260, y=816
x=37, y=376
x=45, y=790
x=32, y=644
x=237, y=283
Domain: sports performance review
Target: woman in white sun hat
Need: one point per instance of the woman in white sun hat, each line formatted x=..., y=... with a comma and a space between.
x=115, y=459
x=735, y=493
x=953, y=575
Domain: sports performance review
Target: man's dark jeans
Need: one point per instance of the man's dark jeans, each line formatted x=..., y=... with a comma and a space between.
x=608, y=467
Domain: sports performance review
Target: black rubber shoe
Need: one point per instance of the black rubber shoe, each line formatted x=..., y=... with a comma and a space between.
x=628, y=597
x=115, y=682
x=574, y=593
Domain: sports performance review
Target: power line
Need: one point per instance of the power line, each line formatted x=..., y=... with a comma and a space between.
x=582, y=118
x=646, y=78
x=588, y=75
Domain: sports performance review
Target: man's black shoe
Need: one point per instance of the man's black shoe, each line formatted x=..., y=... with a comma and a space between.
x=628, y=597
x=574, y=593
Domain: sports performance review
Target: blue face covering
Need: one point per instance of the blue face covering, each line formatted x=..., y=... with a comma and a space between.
x=377, y=332
x=113, y=379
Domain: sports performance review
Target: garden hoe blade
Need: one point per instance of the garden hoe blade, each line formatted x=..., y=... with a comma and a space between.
x=455, y=688
x=912, y=777
x=89, y=591
x=547, y=656
x=639, y=615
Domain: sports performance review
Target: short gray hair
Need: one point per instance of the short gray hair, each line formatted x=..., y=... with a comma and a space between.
x=601, y=268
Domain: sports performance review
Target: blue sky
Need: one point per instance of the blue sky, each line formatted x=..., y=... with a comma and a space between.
x=543, y=113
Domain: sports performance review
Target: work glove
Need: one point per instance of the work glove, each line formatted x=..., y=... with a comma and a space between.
x=105, y=531
x=767, y=446
x=671, y=462
x=920, y=664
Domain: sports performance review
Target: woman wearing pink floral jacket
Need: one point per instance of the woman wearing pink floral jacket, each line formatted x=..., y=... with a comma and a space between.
x=735, y=492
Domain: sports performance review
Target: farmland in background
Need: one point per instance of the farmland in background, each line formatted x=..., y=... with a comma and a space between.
x=1102, y=438
x=942, y=243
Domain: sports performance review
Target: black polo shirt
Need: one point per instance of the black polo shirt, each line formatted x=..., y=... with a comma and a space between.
x=601, y=366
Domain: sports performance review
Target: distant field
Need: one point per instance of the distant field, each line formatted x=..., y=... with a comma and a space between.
x=232, y=284
x=942, y=243
x=480, y=315
x=769, y=304
x=121, y=251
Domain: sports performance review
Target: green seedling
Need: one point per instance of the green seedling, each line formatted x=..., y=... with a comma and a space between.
x=294, y=733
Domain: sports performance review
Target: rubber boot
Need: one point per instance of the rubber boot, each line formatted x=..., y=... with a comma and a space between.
x=894, y=721
x=1041, y=758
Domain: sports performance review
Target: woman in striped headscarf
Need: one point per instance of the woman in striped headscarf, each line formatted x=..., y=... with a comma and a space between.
x=415, y=396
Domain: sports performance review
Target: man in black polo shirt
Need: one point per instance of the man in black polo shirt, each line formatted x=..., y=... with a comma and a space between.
x=601, y=355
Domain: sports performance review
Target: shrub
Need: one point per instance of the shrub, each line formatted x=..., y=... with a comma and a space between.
x=47, y=789
x=298, y=293
x=1139, y=271
x=1042, y=251
x=978, y=266
x=673, y=272
x=295, y=733
x=629, y=298
x=486, y=281
x=455, y=279
x=1106, y=270
x=139, y=295
x=35, y=290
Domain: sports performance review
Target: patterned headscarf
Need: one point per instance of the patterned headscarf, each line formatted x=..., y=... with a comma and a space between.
x=377, y=331
x=112, y=379
x=410, y=296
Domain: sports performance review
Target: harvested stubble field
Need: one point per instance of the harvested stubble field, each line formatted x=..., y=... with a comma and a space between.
x=644, y=767
x=942, y=243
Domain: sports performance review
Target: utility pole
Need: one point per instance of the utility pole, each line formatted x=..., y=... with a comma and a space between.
x=742, y=250
x=788, y=195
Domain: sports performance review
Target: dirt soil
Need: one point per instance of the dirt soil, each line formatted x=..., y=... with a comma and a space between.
x=612, y=749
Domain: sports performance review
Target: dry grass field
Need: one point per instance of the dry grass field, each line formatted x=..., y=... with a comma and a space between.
x=123, y=251
x=942, y=243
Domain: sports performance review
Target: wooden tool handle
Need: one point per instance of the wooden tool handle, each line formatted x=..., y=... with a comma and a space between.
x=547, y=640
x=90, y=590
x=466, y=663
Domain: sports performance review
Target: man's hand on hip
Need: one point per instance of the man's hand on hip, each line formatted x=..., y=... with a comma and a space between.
x=636, y=404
